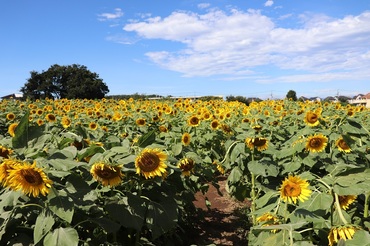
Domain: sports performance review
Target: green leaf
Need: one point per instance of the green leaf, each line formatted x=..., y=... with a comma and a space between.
x=147, y=139
x=9, y=198
x=20, y=139
x=235, y=175
x=360, y=237
x=318, y=201
x=268, y=198
x=62, y=237
x=107, y=224
x=44, y=223
x=177, y=149
x=263, y=168
x=61, y=205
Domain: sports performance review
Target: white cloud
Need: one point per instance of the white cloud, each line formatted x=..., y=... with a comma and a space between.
x=111, y=16
x=203, y=5
x=238, y=42
x=269, y=3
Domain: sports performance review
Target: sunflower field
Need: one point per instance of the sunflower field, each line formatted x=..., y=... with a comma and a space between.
x=125, y=172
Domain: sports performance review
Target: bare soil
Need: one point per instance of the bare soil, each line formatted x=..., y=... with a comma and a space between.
x=225, y=222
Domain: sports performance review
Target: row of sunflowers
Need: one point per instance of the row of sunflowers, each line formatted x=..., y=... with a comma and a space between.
x=125, y=172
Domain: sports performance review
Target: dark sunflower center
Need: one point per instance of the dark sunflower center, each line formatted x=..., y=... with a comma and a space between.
x=312, y=117
x=106, y=173
x=343, y=144
x=315, y=142
x=148, y=162
x=187, y=165
x=292, y=190
x=32, y=177
x=259, y=142
x=194, y=120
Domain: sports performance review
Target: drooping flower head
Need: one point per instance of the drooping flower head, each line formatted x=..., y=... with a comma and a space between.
x=106, y=174
x=151, y=163
x=346, y=200
x=341, y=232
x=342, y=145
x=268, y=219
x=186, y=165
x=11, y=129
x=316, y=143
x=294, y=188
x=28, y=178
x=258, y=143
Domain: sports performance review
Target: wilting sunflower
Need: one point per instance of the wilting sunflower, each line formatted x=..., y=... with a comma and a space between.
x=342, y=145
x=186, y=165
x=193, y=121
x=185, y=139
x=268, y=219
x=141, y=122
x=10, y=116
x=316, y=143
x=30, y=179
x=257, y=128
x=219, y=167
x=311, y=118
x=151, y=163
x=50, y=118
x=5, y=152
x=11, y=129
x=346, y=200
x=341, y=232
x=259, y=143
x=107, y=174
x=294, y=188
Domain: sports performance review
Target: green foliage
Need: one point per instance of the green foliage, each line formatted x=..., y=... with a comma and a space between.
x=292, y=95
x=72, y=81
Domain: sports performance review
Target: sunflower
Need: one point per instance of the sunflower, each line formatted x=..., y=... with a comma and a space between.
x=50, y=118
x=10, y=116
x=30, y=179
x=214, y=124
x=257, y=128
x=259, y=143
x=5, y=166
x=66, y=121
x=141, y=122
x=185, y=139
x=163, y=128
x=346, y=200
x=186, y=165
x=5, y=152
x=107, y=174
x=39, y=122
x=316, y=143
x=268, y=219
x=219, y=167
x=11, y=129
x=193, y=121
x=294, y=188
x=226, y=129
x=342, y=145
x=311, y=118
x=341, y=232
x=151, y=163
x=93, y=126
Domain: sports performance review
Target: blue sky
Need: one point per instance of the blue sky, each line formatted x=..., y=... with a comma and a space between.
x=251, y=48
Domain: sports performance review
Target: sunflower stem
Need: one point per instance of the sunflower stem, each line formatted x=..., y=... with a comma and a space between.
x=337, y=205
x=253, y=195
x=366, y=207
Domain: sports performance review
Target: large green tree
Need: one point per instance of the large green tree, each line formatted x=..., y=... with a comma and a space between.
x=72, y=81
x=291, y=95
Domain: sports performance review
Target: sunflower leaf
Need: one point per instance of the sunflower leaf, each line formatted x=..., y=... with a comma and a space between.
x=44, y=223
x=147, y=139
x=62, y=237
x=20, y=139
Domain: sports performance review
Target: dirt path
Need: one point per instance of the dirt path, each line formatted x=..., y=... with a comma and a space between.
x=225, y=222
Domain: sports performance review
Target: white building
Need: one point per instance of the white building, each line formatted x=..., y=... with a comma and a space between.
x=361, y=100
